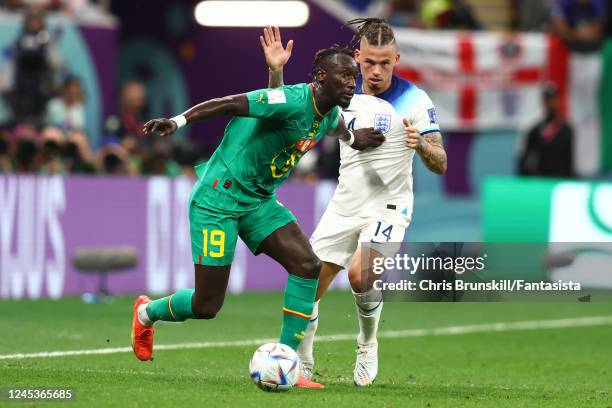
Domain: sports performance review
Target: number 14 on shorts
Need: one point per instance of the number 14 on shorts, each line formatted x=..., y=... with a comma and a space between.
x=213, y=243
x=382, y=232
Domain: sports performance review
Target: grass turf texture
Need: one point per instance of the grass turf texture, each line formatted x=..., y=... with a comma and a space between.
x=569, y=367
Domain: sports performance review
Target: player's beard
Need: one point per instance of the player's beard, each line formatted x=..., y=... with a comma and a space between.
x=377, y=86
x=345, y=101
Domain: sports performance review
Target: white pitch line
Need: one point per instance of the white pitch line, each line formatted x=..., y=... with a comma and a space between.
x=438, y=331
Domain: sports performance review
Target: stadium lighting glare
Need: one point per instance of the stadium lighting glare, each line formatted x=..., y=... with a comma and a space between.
x=251, y=13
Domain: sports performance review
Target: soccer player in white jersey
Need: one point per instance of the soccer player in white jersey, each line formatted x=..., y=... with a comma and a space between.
x=373, y=201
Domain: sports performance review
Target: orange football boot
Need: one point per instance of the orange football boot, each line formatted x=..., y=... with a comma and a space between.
x=142, y=336
x=304, y=382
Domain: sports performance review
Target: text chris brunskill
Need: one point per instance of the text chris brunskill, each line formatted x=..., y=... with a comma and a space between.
x=507, y=285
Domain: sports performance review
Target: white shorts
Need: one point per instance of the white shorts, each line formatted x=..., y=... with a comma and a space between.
x=337, y=237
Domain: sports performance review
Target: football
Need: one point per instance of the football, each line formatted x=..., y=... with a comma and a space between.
x=274, y=367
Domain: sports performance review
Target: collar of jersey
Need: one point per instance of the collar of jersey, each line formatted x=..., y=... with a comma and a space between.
x=314, y=104
x=390, y=95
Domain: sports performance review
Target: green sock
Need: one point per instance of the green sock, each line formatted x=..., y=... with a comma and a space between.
x=173, y=308
x=299, y=299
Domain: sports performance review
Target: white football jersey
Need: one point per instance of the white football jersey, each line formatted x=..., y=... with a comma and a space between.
x=375, y=180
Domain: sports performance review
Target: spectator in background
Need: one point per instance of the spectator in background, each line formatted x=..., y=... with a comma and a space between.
x=67, y=111
x=406, y=13
x=187, y=156
x=77, y=154
x=529, y=15
x=51, y=141
x=132, y=146
x=25, y=137
x=50, y=158
x=52, y=133
x=448, y=14
x=580, y=23
x=12, y=4
x=113, y=160
x=25, y=160
x=549, y=146
x=158, y=159
x=360, y=5
x=133, y=109
x=74, y=6
x=48, y=5
x=6, y=163
x=35, y=68
x=86, y=9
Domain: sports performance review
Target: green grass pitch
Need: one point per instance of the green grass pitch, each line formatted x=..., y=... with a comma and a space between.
x=560, y=367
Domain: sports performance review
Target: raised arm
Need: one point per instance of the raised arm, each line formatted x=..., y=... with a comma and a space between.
x=276, y=55
x=234, y=105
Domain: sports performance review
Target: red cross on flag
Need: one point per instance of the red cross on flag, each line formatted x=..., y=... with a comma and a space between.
x=483, y=81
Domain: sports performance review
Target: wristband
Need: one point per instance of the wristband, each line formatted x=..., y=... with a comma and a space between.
x=180, y=121
x=352, y=139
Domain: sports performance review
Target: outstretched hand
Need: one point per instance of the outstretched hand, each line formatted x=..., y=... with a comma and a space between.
x=276, y=55
x=164, y=126
x=367, y=137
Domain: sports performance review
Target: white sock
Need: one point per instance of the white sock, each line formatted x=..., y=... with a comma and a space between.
x=143, y=317
x=305, y=349
x=369, y=307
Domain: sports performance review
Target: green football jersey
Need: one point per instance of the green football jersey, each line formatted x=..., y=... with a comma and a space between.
x=258, y=152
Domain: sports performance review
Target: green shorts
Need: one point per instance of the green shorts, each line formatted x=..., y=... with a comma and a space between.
x=214, y=233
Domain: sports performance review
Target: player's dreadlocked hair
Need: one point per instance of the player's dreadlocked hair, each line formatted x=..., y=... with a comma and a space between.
x=322, y=55
x=375, y=30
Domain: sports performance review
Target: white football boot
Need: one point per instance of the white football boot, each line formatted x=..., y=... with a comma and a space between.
x=366, y=365
x=306, y=367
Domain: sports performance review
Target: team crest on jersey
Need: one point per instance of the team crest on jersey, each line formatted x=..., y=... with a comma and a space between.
x=432, y=115
x=382, y=122
x=305, y=145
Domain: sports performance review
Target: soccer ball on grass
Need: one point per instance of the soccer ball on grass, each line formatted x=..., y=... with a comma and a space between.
x=274, y=367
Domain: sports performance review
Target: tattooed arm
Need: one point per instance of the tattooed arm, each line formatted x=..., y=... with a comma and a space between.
x=432, y=152
x=430, y=147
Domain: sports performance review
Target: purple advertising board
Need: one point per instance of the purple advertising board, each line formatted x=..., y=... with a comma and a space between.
x=45, y=219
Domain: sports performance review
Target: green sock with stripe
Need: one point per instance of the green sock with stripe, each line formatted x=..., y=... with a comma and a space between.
x=300, y=294
x=173, y=308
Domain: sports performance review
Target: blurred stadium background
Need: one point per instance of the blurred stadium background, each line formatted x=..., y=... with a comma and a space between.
x=523, y=91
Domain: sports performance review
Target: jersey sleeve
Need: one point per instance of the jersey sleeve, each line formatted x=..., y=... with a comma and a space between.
x=422, y=114
x=279, y=103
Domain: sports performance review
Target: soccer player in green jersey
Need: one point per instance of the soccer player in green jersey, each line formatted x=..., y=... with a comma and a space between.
x=270, y=131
